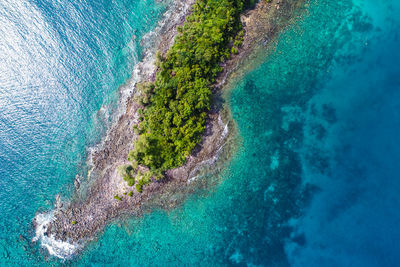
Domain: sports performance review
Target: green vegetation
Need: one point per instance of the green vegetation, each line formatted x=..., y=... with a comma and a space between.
x=146, y=90
x=118, y=198
x=73, y=222
x=127, y=172
x=130, y=194
x=175, y=106
x=139, y=188
x=132, y=175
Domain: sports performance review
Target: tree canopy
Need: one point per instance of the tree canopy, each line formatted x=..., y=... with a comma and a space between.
x=176, y=104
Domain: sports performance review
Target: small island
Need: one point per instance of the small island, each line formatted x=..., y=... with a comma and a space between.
x=171, y=124
x=174, y=107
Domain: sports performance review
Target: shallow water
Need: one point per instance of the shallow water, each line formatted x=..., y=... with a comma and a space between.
x=313, y=182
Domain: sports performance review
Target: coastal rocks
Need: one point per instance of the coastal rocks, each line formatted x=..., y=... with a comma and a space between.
x=77, y=182
x=67, y=229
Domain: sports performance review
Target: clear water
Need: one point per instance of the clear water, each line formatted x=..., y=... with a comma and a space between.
x=313, y=182
x=60, y=63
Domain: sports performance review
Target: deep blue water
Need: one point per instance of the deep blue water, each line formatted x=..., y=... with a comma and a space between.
x=314, y=181
x=353, y=218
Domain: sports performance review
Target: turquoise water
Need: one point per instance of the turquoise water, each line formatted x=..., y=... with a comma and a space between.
x=60, y=62
x=313, y=182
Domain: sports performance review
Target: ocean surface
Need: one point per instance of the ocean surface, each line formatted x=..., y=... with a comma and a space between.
x=315, y=177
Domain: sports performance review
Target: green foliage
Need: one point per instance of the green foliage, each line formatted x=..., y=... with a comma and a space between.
x=138, y=176
x=134, y=164
x=130, y=181
x=250, y=3
x=117, y=198
x=74, y=222
x=144, y=179
x=237, y=43
x=139, y=188
x=147, y=177
x=145, y=91
x=130, y=193
x=158, y=175
x=127, y=172
x=178, y=101
x=136, y=130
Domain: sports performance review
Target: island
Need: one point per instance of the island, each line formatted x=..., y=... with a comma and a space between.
x=173, y=127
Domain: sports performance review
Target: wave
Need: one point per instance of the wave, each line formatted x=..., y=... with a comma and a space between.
x=60, y=249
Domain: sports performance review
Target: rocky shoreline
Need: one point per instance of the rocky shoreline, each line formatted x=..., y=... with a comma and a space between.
x=84, y=217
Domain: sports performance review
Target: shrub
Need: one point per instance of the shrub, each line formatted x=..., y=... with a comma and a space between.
x=134, y=164
x=147, y=177
x=131, y=182
x=158, y=175
x=117, y=198
x=139, y=188
x=145, y=91
x=237, y=43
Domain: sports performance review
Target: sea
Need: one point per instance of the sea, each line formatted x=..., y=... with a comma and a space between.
x=314, y=180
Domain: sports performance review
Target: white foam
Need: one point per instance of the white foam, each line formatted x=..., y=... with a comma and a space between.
x=226, y=128
x=57, y=248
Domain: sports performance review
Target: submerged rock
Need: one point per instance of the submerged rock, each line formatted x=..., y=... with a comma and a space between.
x=77, y=182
